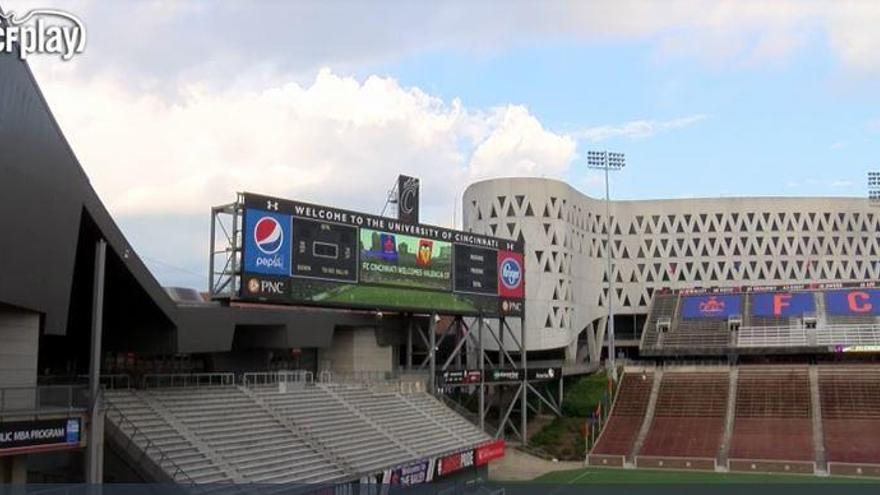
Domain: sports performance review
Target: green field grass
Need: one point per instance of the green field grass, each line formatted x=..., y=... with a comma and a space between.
x=381, y=297
x=646, y=476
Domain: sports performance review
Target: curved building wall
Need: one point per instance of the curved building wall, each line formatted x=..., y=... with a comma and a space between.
x=674, y=243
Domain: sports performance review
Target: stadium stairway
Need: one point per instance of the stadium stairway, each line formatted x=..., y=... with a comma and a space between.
x=818, y=432
x=733, y=387
x=649, y=416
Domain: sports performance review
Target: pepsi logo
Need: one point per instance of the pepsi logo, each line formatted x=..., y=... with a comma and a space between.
x=511, y=273
x=268, y=235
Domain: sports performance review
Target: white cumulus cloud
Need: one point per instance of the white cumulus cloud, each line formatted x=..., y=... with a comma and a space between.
x=337, y=140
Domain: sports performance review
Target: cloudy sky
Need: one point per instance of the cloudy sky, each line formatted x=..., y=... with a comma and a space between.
x=175, y=106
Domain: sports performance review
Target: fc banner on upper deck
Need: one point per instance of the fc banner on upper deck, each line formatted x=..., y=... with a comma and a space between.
x=783, y=304
x=853, y=302
x=711, y=306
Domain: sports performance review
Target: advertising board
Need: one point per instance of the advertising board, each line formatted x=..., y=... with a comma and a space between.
x=300, y=253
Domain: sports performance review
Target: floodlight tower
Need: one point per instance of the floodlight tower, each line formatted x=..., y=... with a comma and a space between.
x=606, y=160
x=874, y=188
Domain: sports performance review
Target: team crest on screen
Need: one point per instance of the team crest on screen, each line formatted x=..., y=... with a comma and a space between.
x=268, y=235
x=423, y=257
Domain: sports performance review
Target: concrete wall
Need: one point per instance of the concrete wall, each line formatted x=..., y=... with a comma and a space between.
x=19, y=346
x=356, y=349
x=657, y=244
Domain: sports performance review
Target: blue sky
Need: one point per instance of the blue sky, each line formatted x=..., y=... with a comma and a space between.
x=328, y=101
x=801, y=126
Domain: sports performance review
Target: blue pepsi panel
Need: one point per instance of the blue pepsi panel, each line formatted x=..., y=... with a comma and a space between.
x=711, y=306
x=783, y=304
x=853, y=302
x=266, y=242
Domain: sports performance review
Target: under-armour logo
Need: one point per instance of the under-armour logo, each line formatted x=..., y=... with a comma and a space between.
x=272, y=205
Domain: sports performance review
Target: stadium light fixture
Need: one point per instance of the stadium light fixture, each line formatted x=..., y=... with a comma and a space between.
x=607, y=160
x=874, y=188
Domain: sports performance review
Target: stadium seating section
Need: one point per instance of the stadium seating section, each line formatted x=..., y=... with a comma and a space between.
x=306, y=434
x=667, y=332
x=627, y=417
x=788, y=418
x=850, y=398
x=773, y=414
x=689, y=416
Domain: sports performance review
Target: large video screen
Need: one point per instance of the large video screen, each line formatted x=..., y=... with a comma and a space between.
x=405, y=261
x=299, y=253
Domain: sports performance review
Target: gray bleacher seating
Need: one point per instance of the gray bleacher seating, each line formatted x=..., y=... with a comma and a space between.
x=245, y=436
x=166, y=442
x=306, y=434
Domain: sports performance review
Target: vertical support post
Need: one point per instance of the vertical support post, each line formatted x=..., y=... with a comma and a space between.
x=409, y=343
x=561, y=390
x=211, y=254
x=458, y=337
x=525, y=395
x=611, y=351
x=482, y=407
x=432, y=339
x=94, y=474
x=236, y=248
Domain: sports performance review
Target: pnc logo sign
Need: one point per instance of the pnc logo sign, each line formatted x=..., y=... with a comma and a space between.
x=267, y=287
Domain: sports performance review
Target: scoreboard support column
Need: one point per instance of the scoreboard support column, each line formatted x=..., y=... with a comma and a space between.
x=409, y=343
x=432, y=352
x=482, y=358
x=524, y=402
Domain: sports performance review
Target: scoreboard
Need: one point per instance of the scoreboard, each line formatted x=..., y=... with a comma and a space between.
x=476, y=270
x=300, y=253
x=324, y=250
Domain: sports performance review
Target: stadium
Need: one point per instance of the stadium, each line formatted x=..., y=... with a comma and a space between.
x=337, y=350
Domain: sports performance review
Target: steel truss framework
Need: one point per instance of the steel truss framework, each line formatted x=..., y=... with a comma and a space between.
x=224, y=262
x=468, y=352
x=467, y=334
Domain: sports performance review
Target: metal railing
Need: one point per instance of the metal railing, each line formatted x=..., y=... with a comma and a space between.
x=795, y=336
x=848, y=335
x=775, y=336
x=188, y=380
x=408, y=387
x=160, y=458
x=357, y=376
x=299, y=377
x=21, y=400
x=108, y=381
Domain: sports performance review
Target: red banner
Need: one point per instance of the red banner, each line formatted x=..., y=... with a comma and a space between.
x=455, y=462
x=489, y=452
